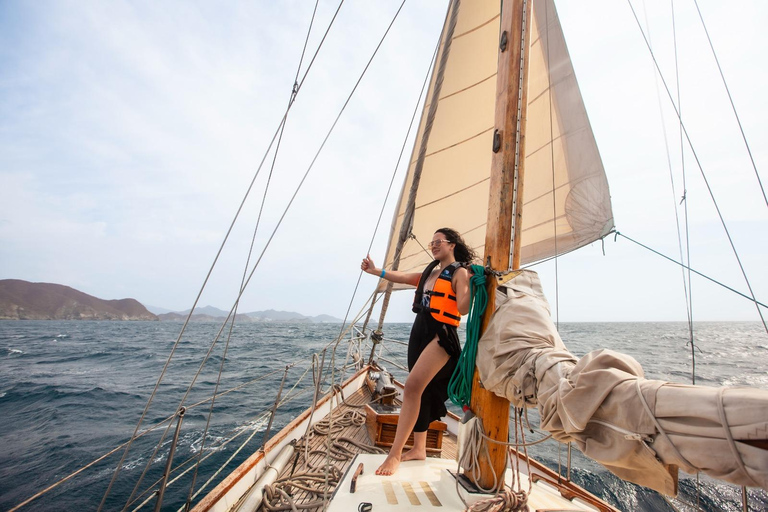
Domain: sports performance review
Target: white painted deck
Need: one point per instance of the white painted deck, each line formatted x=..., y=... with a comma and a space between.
x=427, y=485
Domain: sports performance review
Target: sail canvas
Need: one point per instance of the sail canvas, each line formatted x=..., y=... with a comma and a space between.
x=566, y=199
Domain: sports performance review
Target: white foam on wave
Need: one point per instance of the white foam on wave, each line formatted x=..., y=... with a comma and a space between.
x=259, y=425
x=14, y=351
x=212, y=442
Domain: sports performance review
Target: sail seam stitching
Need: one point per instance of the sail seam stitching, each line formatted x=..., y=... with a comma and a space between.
x=467, y=87
x=455, y=144
x=453, y=193
x=478, y=27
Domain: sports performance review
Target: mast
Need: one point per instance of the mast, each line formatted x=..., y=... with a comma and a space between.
x=504, y=209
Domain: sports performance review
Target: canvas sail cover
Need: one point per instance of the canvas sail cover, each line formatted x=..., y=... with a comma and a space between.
x=640, y=429
x=566, y=200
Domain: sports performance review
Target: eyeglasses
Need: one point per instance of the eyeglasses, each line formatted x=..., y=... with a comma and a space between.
x=436, y=243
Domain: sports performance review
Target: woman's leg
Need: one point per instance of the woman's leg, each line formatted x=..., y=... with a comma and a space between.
x=419, y=449
x=431, y=360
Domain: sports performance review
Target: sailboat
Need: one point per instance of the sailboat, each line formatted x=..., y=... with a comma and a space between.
x=473, y=135
x=561, y=203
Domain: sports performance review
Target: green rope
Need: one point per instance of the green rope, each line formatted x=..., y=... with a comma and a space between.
x=460, y=386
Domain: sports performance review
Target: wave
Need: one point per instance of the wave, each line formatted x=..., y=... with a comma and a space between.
x=53, y=396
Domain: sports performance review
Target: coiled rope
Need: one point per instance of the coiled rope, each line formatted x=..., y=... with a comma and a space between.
x=506, y=500
x=321, y=478
x=460, y=385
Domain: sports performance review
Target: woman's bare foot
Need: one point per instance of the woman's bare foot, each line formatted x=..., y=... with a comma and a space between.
x=414, y=454
x=389, y=466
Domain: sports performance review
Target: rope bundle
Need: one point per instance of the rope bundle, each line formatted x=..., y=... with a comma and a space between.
x=279, y=496
x=319, y=479
x=327, y=426
x=460, y=386
x=506, y=501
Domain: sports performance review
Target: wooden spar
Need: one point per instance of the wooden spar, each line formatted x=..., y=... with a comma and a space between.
x=504, y=212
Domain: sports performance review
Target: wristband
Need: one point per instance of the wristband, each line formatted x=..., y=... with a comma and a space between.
x=383, y=273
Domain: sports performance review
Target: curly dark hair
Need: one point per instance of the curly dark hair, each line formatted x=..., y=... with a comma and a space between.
x=462, y=252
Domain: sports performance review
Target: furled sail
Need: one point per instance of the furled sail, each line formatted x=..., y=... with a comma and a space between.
x=640, y=429
x=566, y=200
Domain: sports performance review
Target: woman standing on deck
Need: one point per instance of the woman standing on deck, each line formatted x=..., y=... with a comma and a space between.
x=442, y=296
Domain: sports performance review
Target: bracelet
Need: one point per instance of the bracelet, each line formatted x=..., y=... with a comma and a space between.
x=383, y=273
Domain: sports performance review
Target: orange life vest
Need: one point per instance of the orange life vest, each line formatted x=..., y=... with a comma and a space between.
x=441, y=301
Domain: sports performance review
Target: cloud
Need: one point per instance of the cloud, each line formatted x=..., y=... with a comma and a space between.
x=129, y=132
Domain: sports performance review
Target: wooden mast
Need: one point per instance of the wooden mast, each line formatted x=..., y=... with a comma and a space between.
x=504, y=210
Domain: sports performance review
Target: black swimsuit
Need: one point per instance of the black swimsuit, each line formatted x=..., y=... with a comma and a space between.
x=424, y=329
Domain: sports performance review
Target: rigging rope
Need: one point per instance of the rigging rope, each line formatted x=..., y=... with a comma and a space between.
x=701, y=169
x=460, y=385
x=552, y=169
x=446, y=39
x=730, y=99
x=292, y=98
x=279, y=223
x=237, y=432
x=210, y=271
x=751, y=299
x=687, y=291
x=687, y=283
x=389, y=190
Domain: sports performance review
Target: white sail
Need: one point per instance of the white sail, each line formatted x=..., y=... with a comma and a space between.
x=566, y=200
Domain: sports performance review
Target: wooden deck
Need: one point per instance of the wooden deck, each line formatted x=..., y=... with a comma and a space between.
x=360, y=433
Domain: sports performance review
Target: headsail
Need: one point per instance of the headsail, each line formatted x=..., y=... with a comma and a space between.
x=566, y=200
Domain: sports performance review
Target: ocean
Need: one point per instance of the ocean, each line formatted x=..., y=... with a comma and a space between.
x=70, y=392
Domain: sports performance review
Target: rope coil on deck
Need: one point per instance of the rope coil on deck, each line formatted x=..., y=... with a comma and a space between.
x=321, y=478
x=279, y=496
x=506, y=501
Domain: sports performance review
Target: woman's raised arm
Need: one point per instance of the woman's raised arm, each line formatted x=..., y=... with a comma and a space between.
x=390, y=275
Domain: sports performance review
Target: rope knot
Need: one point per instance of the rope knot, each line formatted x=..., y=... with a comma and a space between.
x=506, y=501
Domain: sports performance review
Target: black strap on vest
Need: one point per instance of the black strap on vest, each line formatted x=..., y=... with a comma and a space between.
x=420, y=289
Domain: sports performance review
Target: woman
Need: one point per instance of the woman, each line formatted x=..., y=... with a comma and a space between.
x=442, y=296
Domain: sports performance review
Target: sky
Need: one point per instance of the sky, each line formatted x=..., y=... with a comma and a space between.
x=131, y=131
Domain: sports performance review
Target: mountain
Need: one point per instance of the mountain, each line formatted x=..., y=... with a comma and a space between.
x=212, y=314
x=22, y=300
x=157, y=310
x=180, y=316
x=206, y=310
x=271, y=315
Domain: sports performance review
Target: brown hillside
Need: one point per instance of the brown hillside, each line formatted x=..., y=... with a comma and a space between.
x=22, y=300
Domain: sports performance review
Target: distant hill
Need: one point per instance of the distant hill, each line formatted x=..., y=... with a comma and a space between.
x=156, y=310
x=212, y=314
x=271, y=315
x=180, y=316
x=205, y=310
x=22, y=300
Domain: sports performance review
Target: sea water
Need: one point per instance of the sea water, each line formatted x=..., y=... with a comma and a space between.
x=71, y=392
